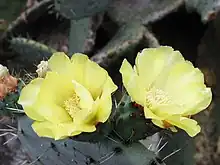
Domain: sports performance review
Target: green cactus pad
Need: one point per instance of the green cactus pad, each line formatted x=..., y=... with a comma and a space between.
x=208, y=9
x=45, y=151
x=102, y=130
x=79, y=31
x=130, y=123
x=10, y=9
x=75, y=9
x=180, y=150
x=29, y=52
x=125, y=43
x=146, y=11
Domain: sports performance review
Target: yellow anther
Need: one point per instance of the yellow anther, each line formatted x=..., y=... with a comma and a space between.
x=72, y=106
x=156, y=97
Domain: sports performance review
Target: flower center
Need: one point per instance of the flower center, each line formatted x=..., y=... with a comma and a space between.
x=156, y=97
x=72, y=106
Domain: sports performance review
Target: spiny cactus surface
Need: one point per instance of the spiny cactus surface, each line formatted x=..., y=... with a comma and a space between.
x=74, y=9
x=76, y=41
x=130, y=123
x=208, y=9
x=29, y=52
x=107, y=152
x=124, y=43
x=145, y=11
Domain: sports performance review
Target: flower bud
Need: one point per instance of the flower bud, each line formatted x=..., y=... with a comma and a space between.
x=8, y=83
x=42, y=69
x=3, y=71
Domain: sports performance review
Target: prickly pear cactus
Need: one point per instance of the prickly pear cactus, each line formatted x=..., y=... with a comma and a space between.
x=79, y=43
x=10, y=13
x=179, y=150
x=116, y=142
x=27, y=46
x=208, y=9
x=29, y=52
x=132, y=116
x=146, y=11
x=107, y=152
x=74, y=9
x=128, y=38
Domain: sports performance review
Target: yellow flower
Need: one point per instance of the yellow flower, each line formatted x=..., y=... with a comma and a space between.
x=73, y=97
x=168, y=87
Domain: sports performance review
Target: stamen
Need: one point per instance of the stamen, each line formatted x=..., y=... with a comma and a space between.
x=156, y=97
x=72, y=105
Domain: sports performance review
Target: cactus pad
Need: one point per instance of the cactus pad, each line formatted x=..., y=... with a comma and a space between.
x=44, y=151
x=75, y=9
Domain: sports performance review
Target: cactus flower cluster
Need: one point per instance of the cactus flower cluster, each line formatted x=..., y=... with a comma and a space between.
x=72, y=96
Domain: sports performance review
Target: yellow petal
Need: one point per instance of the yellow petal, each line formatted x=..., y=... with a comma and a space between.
x=86, y=103
x=189, y=125
x=85, y=96
x=56, y=88
x=79, y=62
x=166, y=110
x=28, y=97
x=105, y=102
x=43, y=129
x=59, y=62
x=185, y=84
x=109, y=85
x=151, y=115
x=152, y=62
x=95, y=84
x=101, y=110
x=33, y=114
x=132, y=83
x=30, y=92
x=204, y=99
x=51, y=112
x=91, y=76
x=184, y=72
x=60, y=131
x=90, y=118
x=160, y=124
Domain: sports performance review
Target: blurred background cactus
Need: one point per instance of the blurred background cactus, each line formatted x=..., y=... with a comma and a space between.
x=108, y=31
